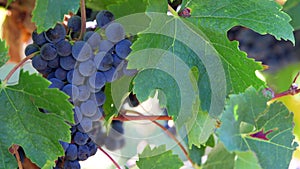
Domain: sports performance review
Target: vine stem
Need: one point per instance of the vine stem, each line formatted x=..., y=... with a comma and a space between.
x=115, y=163
x=15, y=68
x=14, y=151
x=293, y=90
x=135, y=118
x=172, y=10
x=83, y=18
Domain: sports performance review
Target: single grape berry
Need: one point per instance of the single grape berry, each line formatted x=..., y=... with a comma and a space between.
x=115, y=32
x=81, y=51
x=123, y=48
x=48, y=51
x=103, y=18
x=64, y=48
x=30, y=49
x=39, y=63
x=39, y=39
x=56, y=83
x=54, y=63
x=80, y=138
x=56, y=34
x=71, y=152
x=67, y=62
x=74, y=23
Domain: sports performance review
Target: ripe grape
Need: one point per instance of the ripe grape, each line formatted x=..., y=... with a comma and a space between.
x=39, y=63
x=56, y=83
x=71, y=164
x=64, y=48
x=71, y=90
x=77, y=115
x=115, y=32
x=97, y=80
x=93, y=39
x=105, y=45
x=61, y=74
x=103, y=18
x=67, y=62
x=111, y=74
x=88, y=108
x=38, y=39
x=86, y=124
x=84, y=93
x=48, y=51
x=71, y=152
x=83, y=152
x=74, y=77
x=106, y=62
x=56, y=34
x=54, y=63
x=30, y=49
x=80, y=138
x=87, y=68
x=81, y=51
x=123, y=48
x=74, y=23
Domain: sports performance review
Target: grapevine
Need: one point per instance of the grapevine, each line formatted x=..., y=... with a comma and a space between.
x=150, y=84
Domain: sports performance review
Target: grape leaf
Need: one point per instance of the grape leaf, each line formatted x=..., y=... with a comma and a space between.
x=3, y=53
x=221, y=15
x=292, y=7
x=99, y=5
x=158, y=157
x=23, y=124
x=129, y=6
x=246, y=160
x=115, y=93
x=200, y=131
x=219, y=157
x=48, y=12
x=274, y=149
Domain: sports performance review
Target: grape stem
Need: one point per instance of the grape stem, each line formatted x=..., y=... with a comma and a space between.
x=14, y=151
x=15, y=68
x=115, y=163
x=293, y=90
x=122, y=117
x=83, y=19
x=173, y=12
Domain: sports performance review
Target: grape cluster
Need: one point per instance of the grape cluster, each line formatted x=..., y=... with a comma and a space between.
x=265, y=48
x=81, y=68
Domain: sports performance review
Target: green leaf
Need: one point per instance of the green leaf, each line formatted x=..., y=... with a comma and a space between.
x=99, y=5
x=260, y=15
x=219, y=157
x=3, y=53
x=196, y=154
x=23, y=124
x=200, y=131
x=246, y=160
x=275, y=151
x=48, y=12
x=292, y=7
x=158, y=157
x=123, y=8
x=115, y=93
